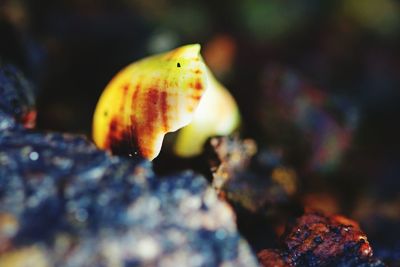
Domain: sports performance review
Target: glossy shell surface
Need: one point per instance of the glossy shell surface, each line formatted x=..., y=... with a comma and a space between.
x=148, y=99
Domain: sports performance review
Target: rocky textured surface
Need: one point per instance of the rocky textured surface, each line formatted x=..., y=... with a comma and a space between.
x=318, y=240
x=381, y=219
x=261, y=184
x=16, y=99
x=252, y=181
x=65, y=203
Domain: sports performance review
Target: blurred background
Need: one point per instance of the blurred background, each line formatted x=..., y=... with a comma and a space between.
x=317, y=82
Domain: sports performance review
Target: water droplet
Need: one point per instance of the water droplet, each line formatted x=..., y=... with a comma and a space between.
x=33, y=155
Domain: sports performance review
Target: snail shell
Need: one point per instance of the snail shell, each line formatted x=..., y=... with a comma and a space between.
x=217, y=114
x=148, y=99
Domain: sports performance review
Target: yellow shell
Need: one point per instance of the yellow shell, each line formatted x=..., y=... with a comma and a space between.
x=217, y=114
x=148, y=99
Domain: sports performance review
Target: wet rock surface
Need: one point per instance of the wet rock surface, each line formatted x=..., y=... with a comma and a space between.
x=318, y=240
x=267, y=199
x=251, y=180
x=65, y=203
x=17, y=102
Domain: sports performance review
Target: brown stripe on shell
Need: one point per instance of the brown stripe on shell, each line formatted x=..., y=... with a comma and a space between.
x=125, y=89
x=196, y=97
x=118, y=140
x=198, y=85
x=197, y=71
x=146, y=130
x=135, y=98
x=164, y=109
x=132, y=126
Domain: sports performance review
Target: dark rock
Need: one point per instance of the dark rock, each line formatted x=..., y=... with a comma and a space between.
x=252, y=181
x=318, y=240
x=16, y=99
x=257, y=185
x=65, y=203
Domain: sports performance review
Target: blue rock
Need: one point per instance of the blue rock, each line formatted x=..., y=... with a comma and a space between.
x=74, y=205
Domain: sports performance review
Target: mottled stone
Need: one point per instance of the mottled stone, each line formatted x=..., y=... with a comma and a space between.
x=16, y=99
x=252, y=181
x=87, y=208
x=65, y=203
x=318, y=240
